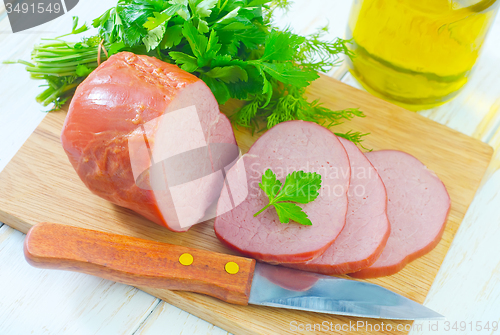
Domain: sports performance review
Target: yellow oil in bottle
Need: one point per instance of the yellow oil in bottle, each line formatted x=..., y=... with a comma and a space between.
x=417, y=53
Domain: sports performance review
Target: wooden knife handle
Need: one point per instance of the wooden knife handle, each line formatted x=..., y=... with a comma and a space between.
x=135, y=261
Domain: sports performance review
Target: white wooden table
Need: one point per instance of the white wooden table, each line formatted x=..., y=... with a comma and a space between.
x=35, y=301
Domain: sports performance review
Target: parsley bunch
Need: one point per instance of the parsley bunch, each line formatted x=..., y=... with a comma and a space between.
x=231, y=45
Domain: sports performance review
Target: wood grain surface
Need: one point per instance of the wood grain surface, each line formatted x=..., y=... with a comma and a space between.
x=40, y=185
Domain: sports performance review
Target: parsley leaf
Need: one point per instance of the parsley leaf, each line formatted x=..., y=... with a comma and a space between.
x=218, y=88
x=83, y=71
x=188, y=63
x=203, y=7
x=288, y=73
x=173, y=37
x=155, y=21
x=154, y=37
x=299, y=186
x=281, y=46
x=289, y=211
x=229, y=16
x=197, y=42
x=203, y=26
x=228, y=74
x=270, y=184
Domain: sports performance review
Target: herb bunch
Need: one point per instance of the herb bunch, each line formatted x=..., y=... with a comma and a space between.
x=231, y=45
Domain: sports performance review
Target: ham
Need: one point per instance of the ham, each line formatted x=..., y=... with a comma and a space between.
x=367, y=227
x=134, y=112
x=418, y=205
x=287, y=147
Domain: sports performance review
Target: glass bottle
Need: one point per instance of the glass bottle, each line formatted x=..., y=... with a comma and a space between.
x=417, y=53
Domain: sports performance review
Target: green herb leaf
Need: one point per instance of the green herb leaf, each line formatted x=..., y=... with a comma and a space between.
x=203, y=26
x=155, y=21
x=289, y=211
x=281, y=46
x=299, y=187
x=213, y=46
x=116, y=47
x=97, y=22
x=197, y=42
x=181, y=7
x=75, y=29
x=218, y=88
x=288, y=73
x=228, y=74
x=173, y=36
x=270, y=185
x=203, y=8
x=229, y=16
x=258, y=2
x=153, y=38
x=83, y=71
x=244, y=89
x=189, y=63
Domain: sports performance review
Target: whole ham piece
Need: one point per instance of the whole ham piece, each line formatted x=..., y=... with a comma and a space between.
x=133, y=111
x=418, y=205
x=367, y=227
x=287, y=147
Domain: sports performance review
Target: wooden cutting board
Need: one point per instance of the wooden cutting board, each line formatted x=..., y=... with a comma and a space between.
x=39, y=184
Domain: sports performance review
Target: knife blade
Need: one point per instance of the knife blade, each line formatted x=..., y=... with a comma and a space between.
x=234, y=279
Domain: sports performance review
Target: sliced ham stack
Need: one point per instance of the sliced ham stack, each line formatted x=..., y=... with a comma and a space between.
x=129, y=98
x=397, y=208
x=417, y=208
x=287, y=147
x=367, y=227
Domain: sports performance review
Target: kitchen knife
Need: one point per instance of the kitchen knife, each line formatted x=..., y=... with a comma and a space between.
x=234, y=279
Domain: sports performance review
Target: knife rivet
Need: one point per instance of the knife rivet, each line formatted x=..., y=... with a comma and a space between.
x=232, y=268
x=186, y=259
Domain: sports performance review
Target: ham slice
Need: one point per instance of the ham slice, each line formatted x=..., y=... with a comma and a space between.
x=367, y=227
x=418, y=205
x=288, y=279
x=129, y=99
x=287, y=147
